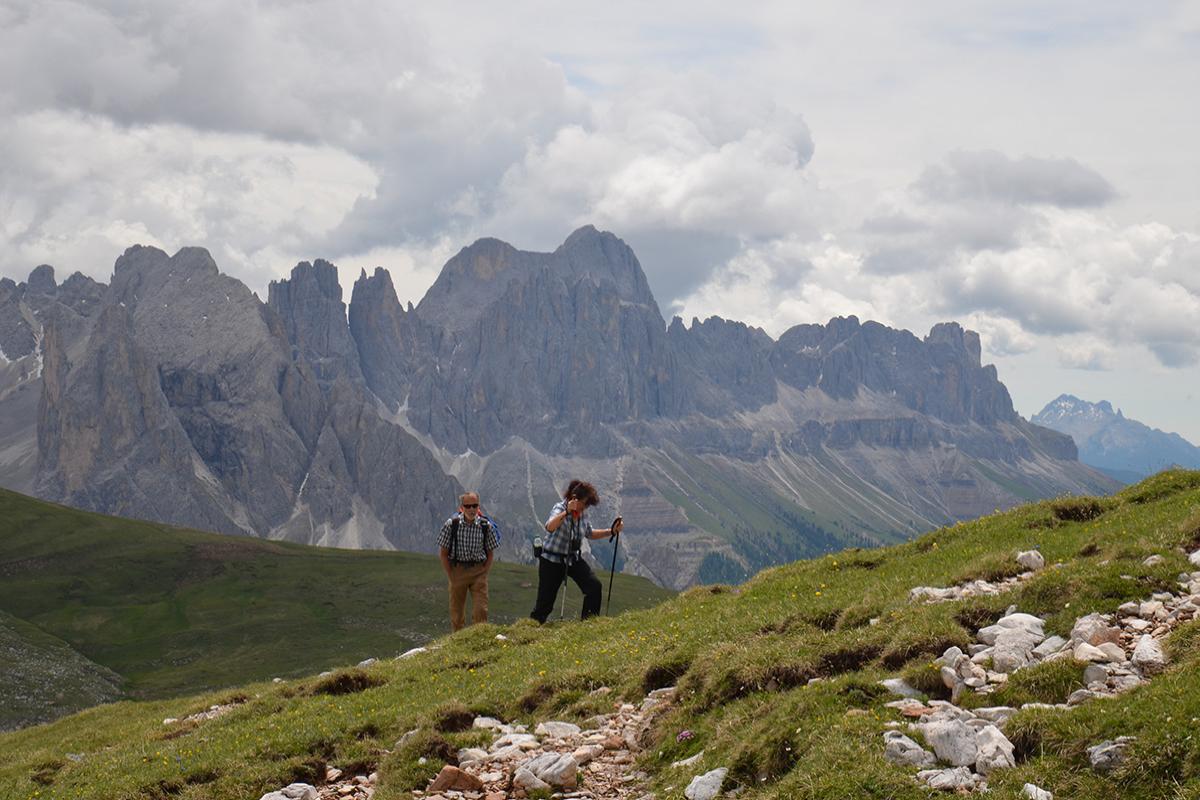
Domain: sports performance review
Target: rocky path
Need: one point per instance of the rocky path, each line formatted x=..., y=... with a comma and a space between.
x=593, y=762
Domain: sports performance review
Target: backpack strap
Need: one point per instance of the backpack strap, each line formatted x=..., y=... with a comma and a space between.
x=454, y=539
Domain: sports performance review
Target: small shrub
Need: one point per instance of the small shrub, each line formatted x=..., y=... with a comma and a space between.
x=347, y=681
x=856, y=617
x=1078, y=509
x=43, y=773
x=1089, y=549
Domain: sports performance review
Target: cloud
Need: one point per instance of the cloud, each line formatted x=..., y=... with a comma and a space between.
x=991, y=177
x=1086, y=355
x=254, y=203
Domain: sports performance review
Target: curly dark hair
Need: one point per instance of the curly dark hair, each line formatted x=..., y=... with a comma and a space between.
x=582, y=490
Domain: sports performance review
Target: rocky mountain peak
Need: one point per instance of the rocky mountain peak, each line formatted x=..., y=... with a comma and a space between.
x=41, y=280
x=956, y=337
x=605, y=257
x=314, y=316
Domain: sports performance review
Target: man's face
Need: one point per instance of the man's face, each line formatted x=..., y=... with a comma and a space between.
x=470, y=507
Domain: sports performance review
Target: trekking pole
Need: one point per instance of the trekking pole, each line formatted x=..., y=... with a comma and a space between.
x=615, y=539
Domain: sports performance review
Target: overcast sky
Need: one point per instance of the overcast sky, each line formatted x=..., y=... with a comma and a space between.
x=1028, y=169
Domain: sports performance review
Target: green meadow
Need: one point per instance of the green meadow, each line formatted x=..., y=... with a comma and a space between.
x=742, y=657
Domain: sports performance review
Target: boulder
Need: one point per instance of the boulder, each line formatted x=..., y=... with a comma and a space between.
x=487, y=723
x=1049, y=646
x=554, y=769
x=472, y=754
x=524, y=779
x=899, y=749
x=949, y=780
x=1035, y=793
x=1086, y=652
x=1095, y=629
x=1148, y=656
x=952, y=740
x=453, y=778
x=706, y=786
x=1108, y=755
x=995, y=750
x=1031, y=559
x=899, y=686
x=1013, y=647
x=556, y=730
x=295, y=791
x=997, y=715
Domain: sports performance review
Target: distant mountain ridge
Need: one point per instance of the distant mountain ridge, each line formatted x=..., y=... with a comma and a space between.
x=1124, y=448
x=175, y=394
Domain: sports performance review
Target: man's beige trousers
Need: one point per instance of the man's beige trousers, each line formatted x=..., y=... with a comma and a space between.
x=462, y=580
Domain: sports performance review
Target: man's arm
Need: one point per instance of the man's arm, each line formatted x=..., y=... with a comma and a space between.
x=444, y=552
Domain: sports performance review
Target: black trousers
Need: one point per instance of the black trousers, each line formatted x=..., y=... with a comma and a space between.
x=550, y=578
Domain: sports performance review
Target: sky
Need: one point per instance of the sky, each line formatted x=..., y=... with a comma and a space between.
x=1027, y=169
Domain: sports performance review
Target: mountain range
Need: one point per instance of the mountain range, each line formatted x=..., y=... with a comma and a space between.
x=173, y=393
x=1123, y=448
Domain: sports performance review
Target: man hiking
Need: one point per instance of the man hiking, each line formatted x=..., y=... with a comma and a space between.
x=568, y=526
x=466, y=544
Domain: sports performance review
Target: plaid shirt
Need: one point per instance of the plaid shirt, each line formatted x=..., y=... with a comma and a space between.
x=557, y=546
x=472, y=545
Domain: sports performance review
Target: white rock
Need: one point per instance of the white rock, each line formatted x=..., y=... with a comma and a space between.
x=899, y=686
x=1095, y=673
x=487, y=723
x=688, y=762
x=1049, y=646
x=1195, y=558
x=899, y=749
x=472, y=754
x=949, y=780
x=1031, y=559
x=950, y=657
x=170, y=721
x=1153, y=561
x=587, y=752
x=706, y=786
x=996, y=714
x=1108, y=755
x=413, y=652
x=500, y=637
x=995, y=751
x=952, y=740
x=556, y=730
x=1115, y=653
x=1035, y=793
x=1148, y=656
x=526, y=780
x=366, y=662
x=524, y=741
x=1086, y=652
x=561, y=772
x=295, y=791
x=1013, y=648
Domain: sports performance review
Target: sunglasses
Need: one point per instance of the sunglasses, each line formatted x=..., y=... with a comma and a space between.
x=470, y=505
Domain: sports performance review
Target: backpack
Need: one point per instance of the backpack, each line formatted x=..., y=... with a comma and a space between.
x=484, y=522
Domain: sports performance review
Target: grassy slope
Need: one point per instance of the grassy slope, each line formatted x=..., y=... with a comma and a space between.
x=742, y=659
x=173, y=610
